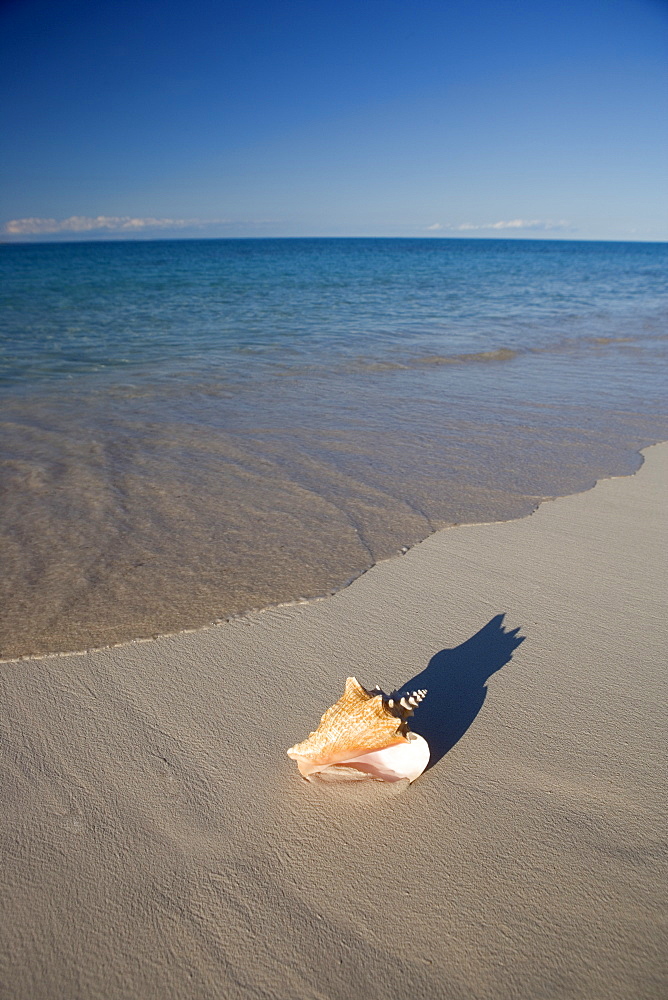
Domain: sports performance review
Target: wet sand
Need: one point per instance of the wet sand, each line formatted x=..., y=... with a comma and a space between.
x=158, y=842
x=126, y=521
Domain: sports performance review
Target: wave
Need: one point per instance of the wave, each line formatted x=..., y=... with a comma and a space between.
x=491, y=355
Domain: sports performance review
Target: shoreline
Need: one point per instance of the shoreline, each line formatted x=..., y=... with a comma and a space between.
x=326, y=596
x=161, y=844
x=179, y=452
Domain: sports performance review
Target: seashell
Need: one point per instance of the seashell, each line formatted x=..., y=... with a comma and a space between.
x=364, y=735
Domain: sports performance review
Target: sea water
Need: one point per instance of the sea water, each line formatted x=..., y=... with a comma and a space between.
x=191, y=429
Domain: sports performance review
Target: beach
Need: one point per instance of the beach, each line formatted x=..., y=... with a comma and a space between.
x=159, y=843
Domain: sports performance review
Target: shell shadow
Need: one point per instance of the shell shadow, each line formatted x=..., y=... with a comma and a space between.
x=456, y=683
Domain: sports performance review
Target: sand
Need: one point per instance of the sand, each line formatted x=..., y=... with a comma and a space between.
x=158, y=843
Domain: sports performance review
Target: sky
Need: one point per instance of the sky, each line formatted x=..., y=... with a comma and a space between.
x=417, y=118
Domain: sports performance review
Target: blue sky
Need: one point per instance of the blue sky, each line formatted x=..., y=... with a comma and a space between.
x=486, y=118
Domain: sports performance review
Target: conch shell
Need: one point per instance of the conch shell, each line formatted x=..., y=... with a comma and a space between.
x=364, y=735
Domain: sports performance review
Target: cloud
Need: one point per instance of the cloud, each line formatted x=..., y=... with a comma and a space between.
x=542, y=225
x=100, y=223
x=436, y=225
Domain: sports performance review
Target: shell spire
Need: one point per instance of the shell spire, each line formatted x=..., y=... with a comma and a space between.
x=404, y=705
x=364, y=734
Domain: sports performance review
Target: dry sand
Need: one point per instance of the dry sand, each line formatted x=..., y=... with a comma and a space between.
x=158, y=843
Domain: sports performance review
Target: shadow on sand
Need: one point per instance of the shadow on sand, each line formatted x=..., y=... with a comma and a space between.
x=456, y=681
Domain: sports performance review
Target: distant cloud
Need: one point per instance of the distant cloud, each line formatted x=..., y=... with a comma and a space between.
x=99, y=223
x=543, y=225
x=436, y=225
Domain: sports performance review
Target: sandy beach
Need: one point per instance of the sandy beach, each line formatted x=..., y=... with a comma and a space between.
x=158, y=842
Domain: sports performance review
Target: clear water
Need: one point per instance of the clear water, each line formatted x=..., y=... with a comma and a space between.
x=194, y=428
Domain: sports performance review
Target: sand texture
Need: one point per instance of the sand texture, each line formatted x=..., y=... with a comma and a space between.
x=158, y=843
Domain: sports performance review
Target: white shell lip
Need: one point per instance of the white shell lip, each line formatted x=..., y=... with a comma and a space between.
x=401, y=761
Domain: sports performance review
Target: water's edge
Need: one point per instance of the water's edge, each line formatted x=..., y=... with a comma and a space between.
x=191, y=433
x=254, y=612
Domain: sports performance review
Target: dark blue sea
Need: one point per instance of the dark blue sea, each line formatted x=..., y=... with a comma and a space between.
x=191, y=429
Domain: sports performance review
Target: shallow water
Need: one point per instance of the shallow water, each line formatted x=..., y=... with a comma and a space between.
x=193, y=429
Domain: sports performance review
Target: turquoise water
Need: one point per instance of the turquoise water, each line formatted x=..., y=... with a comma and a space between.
x=194, y=428
x=155, y=307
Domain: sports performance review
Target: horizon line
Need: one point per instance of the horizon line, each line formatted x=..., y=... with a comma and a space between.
x=431, y=239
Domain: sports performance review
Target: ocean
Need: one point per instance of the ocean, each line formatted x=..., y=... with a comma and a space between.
x=191, y=429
